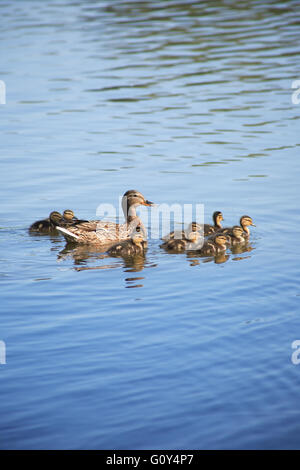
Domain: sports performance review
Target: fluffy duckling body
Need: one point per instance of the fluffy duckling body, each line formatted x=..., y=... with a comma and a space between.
x=136, y=245
x=182, y=234
x=99, y=232
x=205, y=229
x=236, y=236
x=210, y=229
x=47, y=225
x=216, y=245
x=188, y=242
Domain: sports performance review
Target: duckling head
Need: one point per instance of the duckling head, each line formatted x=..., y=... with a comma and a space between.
x=217, y=217
x=55, y=217
x=221, y=240
x=68, y=214
x=245, y=221
x=237, y=231
x=137, y=238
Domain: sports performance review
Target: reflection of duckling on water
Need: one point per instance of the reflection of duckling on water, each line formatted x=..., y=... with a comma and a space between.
x=217, y=244
x=134, y=246
x=237, y=235
x=245, y=221
x=188, y=242
x=210, y=229
x=47, y=225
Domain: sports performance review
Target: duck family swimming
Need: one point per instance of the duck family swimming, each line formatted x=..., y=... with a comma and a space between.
x=130, y=238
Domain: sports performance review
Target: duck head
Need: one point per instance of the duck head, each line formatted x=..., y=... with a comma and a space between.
x=131, y=200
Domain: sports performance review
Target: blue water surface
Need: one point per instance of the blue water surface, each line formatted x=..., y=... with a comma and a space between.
x=190, y=103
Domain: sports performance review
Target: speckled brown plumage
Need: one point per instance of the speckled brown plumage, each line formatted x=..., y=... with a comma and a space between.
x=99, y=232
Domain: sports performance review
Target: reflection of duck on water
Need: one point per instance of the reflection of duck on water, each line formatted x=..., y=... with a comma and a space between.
x=132, y=251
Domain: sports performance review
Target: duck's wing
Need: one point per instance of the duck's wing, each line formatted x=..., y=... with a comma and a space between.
x=99, y=235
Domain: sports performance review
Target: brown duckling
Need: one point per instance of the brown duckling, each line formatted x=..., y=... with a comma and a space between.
x=136, y=245
x=47, y=225
x=216, y=245
x=70, y=219
x=182, y=234
x=210, y=229
x=188, y=242
x=245, y=221
x=237, y=235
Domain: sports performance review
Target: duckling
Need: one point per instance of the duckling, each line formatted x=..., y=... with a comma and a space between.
x=136, y=245
x=47, y=225
x=217, y=244
x=237, y=235
x=182, y=234
x=245, y=221
x=210, y=229
x=70, y=219
x=69, y=216
x=188, y=242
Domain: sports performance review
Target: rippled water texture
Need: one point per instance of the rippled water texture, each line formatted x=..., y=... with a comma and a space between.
x=188, y=102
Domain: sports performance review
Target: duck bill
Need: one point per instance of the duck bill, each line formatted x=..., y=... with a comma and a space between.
x=253, y=225
x=147, y=203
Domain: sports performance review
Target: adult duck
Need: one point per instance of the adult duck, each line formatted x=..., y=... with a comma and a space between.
x=99, y=232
